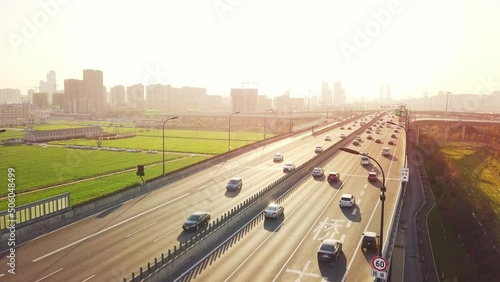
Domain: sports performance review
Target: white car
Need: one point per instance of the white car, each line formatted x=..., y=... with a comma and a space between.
x=288, y=167
x=347, y=200
x=342, y=135
x=327, y=138
x=318, y=149
x=358, y=138
x=274, y=211
x=278, y=157
x=317, y=172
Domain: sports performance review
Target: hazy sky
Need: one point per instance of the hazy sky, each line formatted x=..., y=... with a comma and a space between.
x=415, y=46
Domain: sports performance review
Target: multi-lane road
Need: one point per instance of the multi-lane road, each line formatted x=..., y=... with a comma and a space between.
x=110, y=245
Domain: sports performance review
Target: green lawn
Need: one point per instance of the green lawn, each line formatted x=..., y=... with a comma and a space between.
x=449, y=255
x=38, y=166
x=82, y=192
x=12, y=133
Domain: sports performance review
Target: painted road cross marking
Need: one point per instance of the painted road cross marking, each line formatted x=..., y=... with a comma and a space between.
x=302, y=272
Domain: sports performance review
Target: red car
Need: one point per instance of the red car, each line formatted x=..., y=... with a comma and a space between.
x=333, y=177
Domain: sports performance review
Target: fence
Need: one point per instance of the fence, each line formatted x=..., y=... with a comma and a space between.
x=35, y=211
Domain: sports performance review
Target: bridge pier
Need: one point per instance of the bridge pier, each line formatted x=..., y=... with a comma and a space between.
x=463, y=132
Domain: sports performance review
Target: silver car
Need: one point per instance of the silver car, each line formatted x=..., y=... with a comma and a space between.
x=274, y=211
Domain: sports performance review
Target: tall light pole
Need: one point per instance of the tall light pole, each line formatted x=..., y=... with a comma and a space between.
x=229, y=131
x=382, y=194
x=163, y=150
x=447, y=96
x=265, y=113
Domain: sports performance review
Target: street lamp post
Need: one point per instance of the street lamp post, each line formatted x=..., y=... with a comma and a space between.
x=382, y=194
x=265, y=113
x=229, y=131
x=163, y=149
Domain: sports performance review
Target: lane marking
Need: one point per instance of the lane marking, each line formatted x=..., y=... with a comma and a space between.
x=359, y=201
x=354, y=211
x=48, y=275
x=89, y=278
x=348, y=224
x=155, y=240
x=133, y=233
x=342, y=238
x=202, y=187
x=362, y=192
x=108, y=228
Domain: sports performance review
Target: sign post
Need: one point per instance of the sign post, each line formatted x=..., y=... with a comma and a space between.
x=405, y=174
x=379, y=265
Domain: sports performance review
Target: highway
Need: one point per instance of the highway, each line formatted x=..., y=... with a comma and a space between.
x=285, y=249
x=110, y=245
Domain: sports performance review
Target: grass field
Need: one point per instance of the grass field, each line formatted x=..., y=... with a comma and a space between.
x=82, y=192
x=38, y=166
x=449, y=255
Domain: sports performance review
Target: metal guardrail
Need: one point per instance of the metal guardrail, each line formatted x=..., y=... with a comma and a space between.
x=24, y=215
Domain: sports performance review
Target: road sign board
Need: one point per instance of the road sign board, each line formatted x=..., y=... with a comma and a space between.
x=405, y=174
x=379, y=263
x=379, y=274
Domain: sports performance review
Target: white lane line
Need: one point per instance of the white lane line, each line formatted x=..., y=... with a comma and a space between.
x=354, y=211
x=202, y=187
x=106, y=229
x=154, y=241
x=359, y=201
x=342, y=238
x=362, y=192
x=366, y=185
x=88, y=278
x=133, y=233
x=348, y=224
x=48, y=275
x=1, y=274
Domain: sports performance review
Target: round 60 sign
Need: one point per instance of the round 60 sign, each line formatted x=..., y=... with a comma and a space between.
x=379, y=263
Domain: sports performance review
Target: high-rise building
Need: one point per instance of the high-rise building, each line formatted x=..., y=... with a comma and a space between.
x=49, y=86
x=135, y=96
x=326, y=95
x=72, y=93
x=93, y=90
x=192, y=98
x=338, y=94
x=388, y=94
x=10, y=96
x=40, y=99
x=244, y=100
x=117, y=95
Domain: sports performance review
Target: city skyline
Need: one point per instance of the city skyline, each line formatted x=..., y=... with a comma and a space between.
x=219, y=45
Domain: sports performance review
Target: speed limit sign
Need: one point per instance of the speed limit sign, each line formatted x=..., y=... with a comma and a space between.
x=379, y=263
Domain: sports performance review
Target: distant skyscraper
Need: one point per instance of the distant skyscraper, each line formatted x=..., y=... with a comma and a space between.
x=93, y=90
x=244, y=100
x=135, y=96
x=49, y=86
x=72, y=93
x=10, y=96
x=326, y=95
x=338, y=94
x=117, y=94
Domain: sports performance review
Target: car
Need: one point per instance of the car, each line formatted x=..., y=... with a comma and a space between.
x=390, y=142
x=288, y=167
x=342, y=135
x=396, y=131
x=329, y=250
x=368, y=131
x=349, y=128
x=358, y=138
x=372, y=176
x=235, y=183
x=318, y=172
x=347, y=200
x=196, y=220
x=273, y=211
x=393, y=135
x=369, y=137
x=318, y=149
x=370, y=241
x=355, y=142
x=386, y=151
x=327, y=138
x=333, y=176
x=378, y=141
x=365, y=160
x=342, y=128
x=278, y=157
